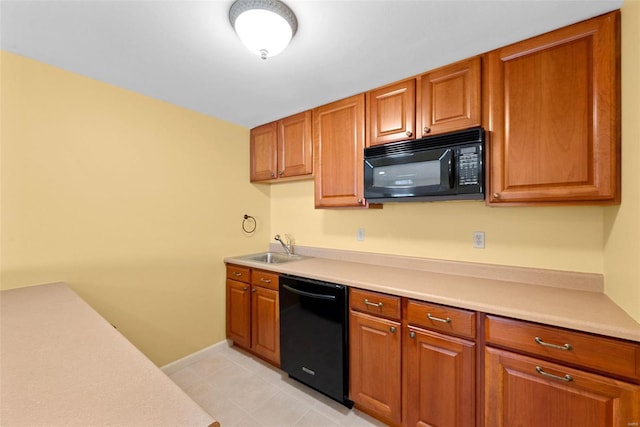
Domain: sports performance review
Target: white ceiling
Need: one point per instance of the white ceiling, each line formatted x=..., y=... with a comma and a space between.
x=186, y=53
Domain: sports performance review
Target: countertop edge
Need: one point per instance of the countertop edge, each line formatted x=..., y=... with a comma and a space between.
x=569, y=308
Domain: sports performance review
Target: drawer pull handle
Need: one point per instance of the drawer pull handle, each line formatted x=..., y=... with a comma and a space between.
x=263, y=280
x=373, y=304
x=567, y=378
x=565, y=347
x=235, y=273
x=437, y=319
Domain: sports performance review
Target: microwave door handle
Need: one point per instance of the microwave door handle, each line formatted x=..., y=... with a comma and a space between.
x=452, y=178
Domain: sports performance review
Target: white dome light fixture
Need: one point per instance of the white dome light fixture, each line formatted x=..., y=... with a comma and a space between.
x=265, y=27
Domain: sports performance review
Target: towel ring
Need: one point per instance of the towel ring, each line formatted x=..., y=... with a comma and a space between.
x=248, y=224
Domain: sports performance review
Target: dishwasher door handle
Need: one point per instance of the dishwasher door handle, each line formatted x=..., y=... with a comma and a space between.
x=308, y=294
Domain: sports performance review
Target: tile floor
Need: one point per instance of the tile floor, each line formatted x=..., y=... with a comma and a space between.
x=238, y=389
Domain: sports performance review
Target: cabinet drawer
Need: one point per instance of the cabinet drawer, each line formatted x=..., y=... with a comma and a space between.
x=266, y=279
x=375, y=303
x=606, y=355
x=442, y=318
x=241, y=274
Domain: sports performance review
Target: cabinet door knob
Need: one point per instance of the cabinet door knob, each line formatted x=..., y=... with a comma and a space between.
x=280, y=173
x=426, y=130
x=245, y=288
x=496, y=195
x=273, y=175
x=409, y=133
x=412, y=334
x=392, y=329
x=359, y=201
x=253, y=290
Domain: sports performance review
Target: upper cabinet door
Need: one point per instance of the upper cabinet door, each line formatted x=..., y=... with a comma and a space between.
x=554, y=107
x=263, y=147
x=295, y=146
x=338, y=144
x=391, y=113
x=282, y=149
x=449, y=98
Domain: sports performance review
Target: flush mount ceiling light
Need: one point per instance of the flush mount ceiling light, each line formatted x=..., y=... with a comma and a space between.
x=265, y=27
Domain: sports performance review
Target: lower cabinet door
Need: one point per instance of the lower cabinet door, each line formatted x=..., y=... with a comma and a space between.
x=375, y=366
x=527, y=392
x=439, y=378
x=239, y=313
x=265, y=323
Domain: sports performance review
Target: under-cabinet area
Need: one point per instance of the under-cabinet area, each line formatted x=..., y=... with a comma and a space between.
x=413, y=362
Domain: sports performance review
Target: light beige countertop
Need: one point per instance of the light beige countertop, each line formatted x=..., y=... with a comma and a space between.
x=557, y=298
x=62, y=364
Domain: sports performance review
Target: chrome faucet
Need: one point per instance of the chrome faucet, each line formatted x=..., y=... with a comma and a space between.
x=288, y=247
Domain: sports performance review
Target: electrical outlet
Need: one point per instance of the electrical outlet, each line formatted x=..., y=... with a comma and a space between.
x=478, y=239
x=360, y=235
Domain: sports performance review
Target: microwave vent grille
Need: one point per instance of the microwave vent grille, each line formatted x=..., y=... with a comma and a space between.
x=467, y=136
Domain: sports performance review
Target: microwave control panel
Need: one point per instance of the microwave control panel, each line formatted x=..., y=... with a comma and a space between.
x=469, y=164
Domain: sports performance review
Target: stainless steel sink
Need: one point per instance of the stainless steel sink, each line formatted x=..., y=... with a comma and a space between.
x=271, y=257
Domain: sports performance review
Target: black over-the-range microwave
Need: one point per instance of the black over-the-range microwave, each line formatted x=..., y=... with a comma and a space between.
x=441, y=167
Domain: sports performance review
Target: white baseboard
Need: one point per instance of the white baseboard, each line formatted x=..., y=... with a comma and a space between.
x=193, y=357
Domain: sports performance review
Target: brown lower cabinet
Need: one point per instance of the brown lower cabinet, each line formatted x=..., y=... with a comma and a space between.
x=460, y=368
x=253, y=314
x=375, y=354
x=529, y=392
x=537, y=375
x=239, y=313
x=439, y=380
x=375, y=365
x=419, y=364
x=408, y=375
x=439, y=365
x=265, y=323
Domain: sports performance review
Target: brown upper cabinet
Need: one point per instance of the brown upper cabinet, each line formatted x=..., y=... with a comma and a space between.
x=442, y=100
x=391, y=113
x=553, y=104
x=338, y=144
x=449, y=98
x=550, y=105
x=282, y=150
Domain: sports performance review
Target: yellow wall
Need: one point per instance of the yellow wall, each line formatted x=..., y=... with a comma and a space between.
x=568, y=238
x=622, y=223
x=132, y=201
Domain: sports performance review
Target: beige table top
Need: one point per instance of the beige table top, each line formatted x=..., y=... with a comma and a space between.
x=62, y=364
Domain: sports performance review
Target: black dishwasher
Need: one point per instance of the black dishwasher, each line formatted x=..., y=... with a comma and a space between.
x=314, y=335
